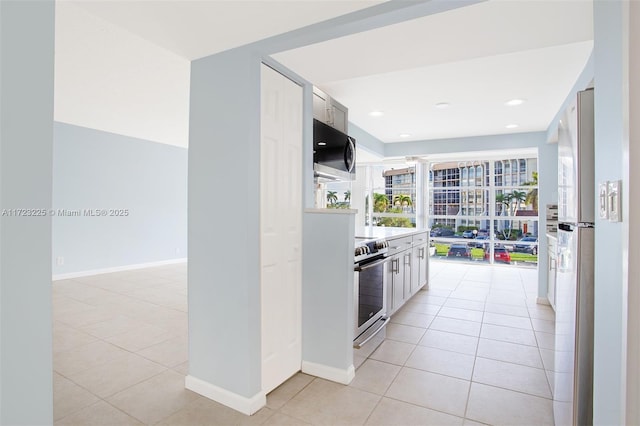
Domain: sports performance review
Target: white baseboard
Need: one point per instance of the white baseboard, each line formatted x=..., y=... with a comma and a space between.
x=80, y=274
x=330, y=373
x=543, y=301
x=239, y=403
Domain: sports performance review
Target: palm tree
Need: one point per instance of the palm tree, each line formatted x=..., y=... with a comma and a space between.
x=332, y=198
x=504, y=199
x=511, y=204
x=347, y=196
x=517, y=197
x=380, y=202
x=403, y=200
x=532, y=195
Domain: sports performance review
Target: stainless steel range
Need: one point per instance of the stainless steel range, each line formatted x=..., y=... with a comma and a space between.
x=370, y=282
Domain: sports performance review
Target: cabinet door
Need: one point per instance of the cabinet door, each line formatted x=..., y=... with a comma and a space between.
x=398, y=281
x=423, y=266
x=389, y=286
x=339, y=118
x=415, y=271
x=407, y=264
x=420, y=267
x=319, y=107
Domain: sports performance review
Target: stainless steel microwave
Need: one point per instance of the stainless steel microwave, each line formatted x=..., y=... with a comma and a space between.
x=334, y=153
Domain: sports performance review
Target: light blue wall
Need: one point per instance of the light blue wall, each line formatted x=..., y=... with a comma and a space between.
x=366, y=140
x=93, y=169
x=328, y=316
x=584, y=80
x=224, y=160
x=468, y=144
x=26, y=119
x=224, y=219
x=547, y=194
x=610, y=254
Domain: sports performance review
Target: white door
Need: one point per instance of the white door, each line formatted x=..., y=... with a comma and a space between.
x=280, y=227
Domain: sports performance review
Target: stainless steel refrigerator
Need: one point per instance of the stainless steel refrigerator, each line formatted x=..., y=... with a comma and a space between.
x=573, y=361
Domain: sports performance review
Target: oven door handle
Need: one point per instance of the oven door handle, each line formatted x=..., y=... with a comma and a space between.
x=359, y=344
x=371, y=265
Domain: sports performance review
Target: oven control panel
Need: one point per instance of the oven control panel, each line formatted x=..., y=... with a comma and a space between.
x=369, y=248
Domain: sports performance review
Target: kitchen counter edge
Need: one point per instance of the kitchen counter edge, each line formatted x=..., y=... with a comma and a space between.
x=386, y=232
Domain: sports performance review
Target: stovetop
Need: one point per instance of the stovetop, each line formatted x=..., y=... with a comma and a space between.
x=366, y=248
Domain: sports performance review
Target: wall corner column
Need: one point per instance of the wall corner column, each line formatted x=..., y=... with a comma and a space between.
x=223, y=230
x=26, y=152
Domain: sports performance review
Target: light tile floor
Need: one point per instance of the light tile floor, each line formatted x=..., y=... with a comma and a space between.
x=470, y=350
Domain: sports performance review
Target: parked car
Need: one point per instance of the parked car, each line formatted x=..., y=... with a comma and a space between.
x=481, y=241
x=467, y=234
x=500, y=254
x=526, y=248
x=442, y=232
x=459, y=251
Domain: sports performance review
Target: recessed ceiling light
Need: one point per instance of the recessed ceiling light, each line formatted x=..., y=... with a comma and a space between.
x=404, y=135
x=376, y=113
x=322, y=143
x=511, y=126
x=443, y=105
x=514, y=102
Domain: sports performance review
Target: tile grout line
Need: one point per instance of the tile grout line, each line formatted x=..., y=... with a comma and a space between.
x=473, y=369
x=105, y=399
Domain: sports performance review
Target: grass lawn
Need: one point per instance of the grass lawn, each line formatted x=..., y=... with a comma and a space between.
x=478, y=254
x=523, y=257
x=442, y=249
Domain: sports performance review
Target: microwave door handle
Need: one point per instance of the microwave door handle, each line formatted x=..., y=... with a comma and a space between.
x=352, y=151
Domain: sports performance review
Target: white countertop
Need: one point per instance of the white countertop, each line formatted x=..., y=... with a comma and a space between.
x=385, y=232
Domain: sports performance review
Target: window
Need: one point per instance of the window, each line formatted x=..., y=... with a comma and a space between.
x=393, y=193
x=501, y=209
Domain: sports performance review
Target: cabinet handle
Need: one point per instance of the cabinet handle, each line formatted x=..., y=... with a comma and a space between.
x=395, y=266
x=330, y=115
x=407, y=259
x=421, y=253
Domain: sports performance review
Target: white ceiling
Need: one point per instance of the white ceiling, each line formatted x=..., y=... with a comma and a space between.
x=475, y=58
x=197, y=28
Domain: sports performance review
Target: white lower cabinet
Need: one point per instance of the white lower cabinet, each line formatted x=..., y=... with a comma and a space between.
x=407, y=265
x=420, y=267
x=395, y=283
x=408, y=269
x=420, y=262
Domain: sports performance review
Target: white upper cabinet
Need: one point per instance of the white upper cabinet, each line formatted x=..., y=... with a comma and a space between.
x=330, y=111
